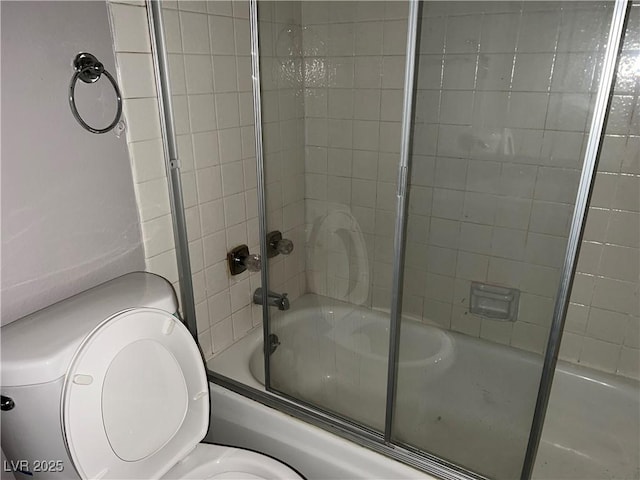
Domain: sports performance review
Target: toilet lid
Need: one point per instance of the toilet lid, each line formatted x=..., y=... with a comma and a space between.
x=135, y=398
x=338, y=242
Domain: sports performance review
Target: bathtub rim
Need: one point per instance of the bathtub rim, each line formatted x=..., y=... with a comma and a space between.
x=422, y=461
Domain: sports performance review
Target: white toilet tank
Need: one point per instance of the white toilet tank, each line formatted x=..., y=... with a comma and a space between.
x=36, y=354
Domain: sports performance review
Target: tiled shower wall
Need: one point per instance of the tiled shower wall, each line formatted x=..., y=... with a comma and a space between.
x=602, y=325
x=208, y=50
x=354, y=56
x=504, y=92
x=501, y=121
x=503, y=95
x=210, y=73
x=136, y=79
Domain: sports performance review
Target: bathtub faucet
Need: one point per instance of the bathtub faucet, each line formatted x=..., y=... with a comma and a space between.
x=273, y=299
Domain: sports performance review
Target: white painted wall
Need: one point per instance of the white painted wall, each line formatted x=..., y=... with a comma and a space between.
x=69, y=216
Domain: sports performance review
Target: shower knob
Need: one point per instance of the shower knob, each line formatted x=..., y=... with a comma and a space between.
x=285, y=246
x=277, y=245
x=240, y=259
x=253, y=262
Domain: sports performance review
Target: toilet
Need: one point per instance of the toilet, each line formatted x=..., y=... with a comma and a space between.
x=110, y=384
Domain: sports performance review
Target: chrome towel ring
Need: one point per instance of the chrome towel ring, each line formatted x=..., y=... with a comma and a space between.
x=89, y=69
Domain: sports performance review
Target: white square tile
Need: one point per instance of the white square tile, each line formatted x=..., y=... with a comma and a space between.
x=195, y=32
x=432, y=35
x=545, y=250
x=147, y=160
x=214, y=248
x=131, y=30
x=421, y=200
x=222, y=332
x=173, y=35
x=495, y=331
x=199, y=6
x=142, y=118
x=219, y=307
x=225, y=73
x=600, y=355
x=495, y=71
x=568, y=111
x=459, y=72
x=164, y=265
x=395, y=37
x=192, y=220
x=499, y=32
x=463, y=34
x=505, y=272
x=429, y=68
x=341, y=41
x=136, y=75
x=446, y=203
x=217, y=278
x=627, y=196
x=368, y=38
x=607, y=326
x=205, y=149
x=629, y=363
x=242, y=322
x=551, y=218
x=209, y=184
x=222, y=35
x=240, y=294
x=532, y=72
x=227, y=110
x=621, y=263
x=157, y=235
x=153, y=199
x=212, y=217
x=232, y=178
x=476, y=238
x=538, y=32
x=528, y=110
x=189, y=189
x=529, y=337
x=234, y=209
x=181, y=114
x=198, y=74
x=230, y=145
x=202, y=113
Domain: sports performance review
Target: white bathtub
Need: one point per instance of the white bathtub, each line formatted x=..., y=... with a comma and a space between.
x=461, y=398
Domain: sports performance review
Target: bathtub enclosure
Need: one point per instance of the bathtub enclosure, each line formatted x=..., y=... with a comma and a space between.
x=434, y=164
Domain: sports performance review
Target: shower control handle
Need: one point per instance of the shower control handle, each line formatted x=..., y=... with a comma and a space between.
x=239, y=260
x=277, y=245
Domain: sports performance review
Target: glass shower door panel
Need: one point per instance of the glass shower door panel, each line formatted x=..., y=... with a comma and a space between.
x=332, y=98
x=503, y=97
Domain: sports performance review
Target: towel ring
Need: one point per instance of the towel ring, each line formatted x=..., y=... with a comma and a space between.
x=89, y=69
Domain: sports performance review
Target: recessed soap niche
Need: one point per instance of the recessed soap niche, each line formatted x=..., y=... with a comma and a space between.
x=495, y=302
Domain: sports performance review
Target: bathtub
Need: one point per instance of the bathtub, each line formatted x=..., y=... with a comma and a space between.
x=461, y=398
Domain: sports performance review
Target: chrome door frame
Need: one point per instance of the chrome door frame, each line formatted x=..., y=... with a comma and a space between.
x=381, y=443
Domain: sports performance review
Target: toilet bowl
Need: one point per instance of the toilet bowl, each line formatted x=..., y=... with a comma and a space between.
x=111, y=384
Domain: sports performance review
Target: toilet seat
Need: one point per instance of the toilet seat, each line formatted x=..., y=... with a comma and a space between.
x=209, y=461
x=339, y=232
x=135, y=399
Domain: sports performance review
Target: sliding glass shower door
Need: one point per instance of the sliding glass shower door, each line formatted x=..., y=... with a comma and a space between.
x=504, y=93
x=430, y=214
x=332, y=78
